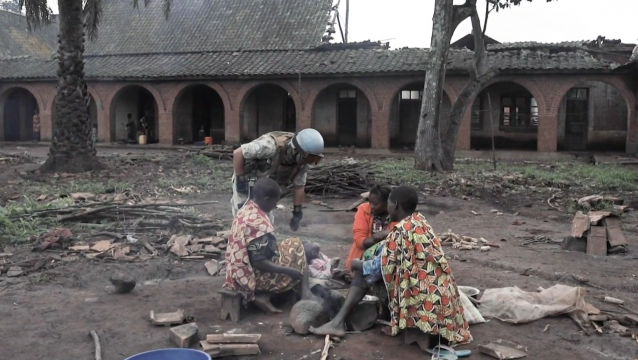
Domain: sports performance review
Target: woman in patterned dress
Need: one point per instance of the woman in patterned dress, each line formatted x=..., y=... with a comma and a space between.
x=422, y=292
x=256, y=264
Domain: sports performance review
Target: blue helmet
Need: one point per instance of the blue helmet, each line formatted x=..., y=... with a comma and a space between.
x=309, y=142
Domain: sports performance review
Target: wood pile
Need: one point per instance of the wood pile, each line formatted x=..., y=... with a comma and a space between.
x=461, y=242
x=345, y=179
x=124, y=214
x=602, y=232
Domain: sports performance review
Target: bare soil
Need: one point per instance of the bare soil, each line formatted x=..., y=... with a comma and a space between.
x=48, y=314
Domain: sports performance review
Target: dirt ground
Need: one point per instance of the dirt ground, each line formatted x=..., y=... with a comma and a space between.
x=48, y=314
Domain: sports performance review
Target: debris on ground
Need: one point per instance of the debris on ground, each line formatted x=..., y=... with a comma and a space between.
x=98, y=347
x=462, y=242
x=183, y=336
x=502, y=350
x=222, y=345
x=214, y=267
x=592, y=231
x=174, y=318
x=122, y=282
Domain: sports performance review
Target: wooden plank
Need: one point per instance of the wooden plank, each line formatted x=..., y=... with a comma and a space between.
x=596, y=216
x=597, y=241
x=233, y=338
x=222, y=350
x=580, y=224
x=173, y=318
x=615, y=235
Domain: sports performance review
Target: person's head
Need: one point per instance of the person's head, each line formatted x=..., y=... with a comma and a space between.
x=402, y=202
x=266, y=193
x=309, y=144
x=378, y=199
x=129, y=116
x=312, y=250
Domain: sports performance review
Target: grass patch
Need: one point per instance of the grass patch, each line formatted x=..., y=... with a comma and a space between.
x=16, y=225
x=564, y=174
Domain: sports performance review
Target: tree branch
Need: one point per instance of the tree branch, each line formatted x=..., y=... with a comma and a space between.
x=462, y=12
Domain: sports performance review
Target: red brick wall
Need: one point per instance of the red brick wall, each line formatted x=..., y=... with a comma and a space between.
x=380, y=91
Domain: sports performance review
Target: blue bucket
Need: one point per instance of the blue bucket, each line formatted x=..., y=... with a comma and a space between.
x=171, y=354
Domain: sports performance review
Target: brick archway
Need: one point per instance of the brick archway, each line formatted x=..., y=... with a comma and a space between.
x=143, y=101
x=342, y=112
x=18, y=105
x=616, y=139
x=199, y=105
x=265, y=107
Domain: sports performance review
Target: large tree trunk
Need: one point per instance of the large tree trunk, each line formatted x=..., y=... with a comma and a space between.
x=427, y=152
x=71, y=147
x=479, y=76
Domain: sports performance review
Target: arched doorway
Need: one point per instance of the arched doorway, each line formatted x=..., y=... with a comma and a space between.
x=341, y=114
x=92, y=115
x=267, y=108
x=199, y=107
x=138, y=102
x=593, y=116
x=513, y=118
x=405, y=113
x=17, y=111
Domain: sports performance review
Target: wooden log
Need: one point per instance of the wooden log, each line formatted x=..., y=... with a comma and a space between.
x=184, y=335
x=222, y=350
x=98, y=347
x=233, y=338
x=326, y=348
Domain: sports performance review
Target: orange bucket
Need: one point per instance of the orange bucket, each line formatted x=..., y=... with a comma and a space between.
x=208, y=140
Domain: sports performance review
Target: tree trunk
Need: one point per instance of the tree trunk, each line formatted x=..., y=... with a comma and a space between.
x=427, y=152
x=71, y=147
x=479, y=76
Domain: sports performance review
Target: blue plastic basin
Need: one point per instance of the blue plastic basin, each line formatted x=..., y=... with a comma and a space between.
x=171, y=354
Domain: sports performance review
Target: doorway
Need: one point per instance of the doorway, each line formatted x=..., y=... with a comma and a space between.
x=576, y=119
x=347, y=118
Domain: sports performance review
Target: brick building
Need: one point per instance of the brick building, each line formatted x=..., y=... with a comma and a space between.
x=239, y=68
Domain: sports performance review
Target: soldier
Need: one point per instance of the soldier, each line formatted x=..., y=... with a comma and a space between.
x=282, y=156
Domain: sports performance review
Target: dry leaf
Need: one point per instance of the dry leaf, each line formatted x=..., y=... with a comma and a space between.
x=82, y=196
x=101, y=246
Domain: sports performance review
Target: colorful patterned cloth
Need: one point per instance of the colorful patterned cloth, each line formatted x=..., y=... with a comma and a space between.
x=421, y=289
x=251, y=224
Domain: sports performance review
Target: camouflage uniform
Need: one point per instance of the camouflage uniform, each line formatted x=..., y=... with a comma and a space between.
x=270, y=155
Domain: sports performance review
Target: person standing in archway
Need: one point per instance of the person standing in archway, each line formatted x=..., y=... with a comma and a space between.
x=282, y=156
x=36, y=126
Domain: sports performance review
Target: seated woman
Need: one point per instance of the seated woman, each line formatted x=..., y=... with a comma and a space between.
x=256, y=264
x=429, y=299
x=371, y=223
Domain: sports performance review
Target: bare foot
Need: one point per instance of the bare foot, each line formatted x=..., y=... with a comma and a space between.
x=386, y=330
x=263, y=302
x=329, y=329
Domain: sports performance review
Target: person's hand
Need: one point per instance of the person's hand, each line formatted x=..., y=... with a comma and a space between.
x=241, y=184
x=297, y=215
x=295, y=274
x=381, y=235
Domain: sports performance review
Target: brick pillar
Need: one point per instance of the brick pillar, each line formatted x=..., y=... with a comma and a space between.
x=380, y=129
x=232, y=127
x=304, y=119
x=547, y=133
x=166, y=129
x=46, y=125
x=103, y=125
x=463, y=140
x=631, y=144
